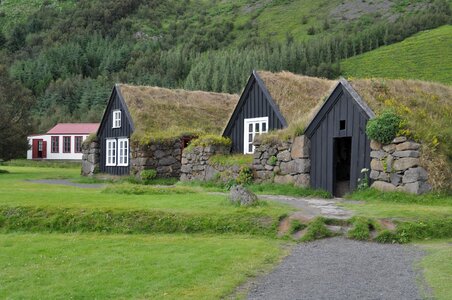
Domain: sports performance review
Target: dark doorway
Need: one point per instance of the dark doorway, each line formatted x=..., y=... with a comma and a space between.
x=342, y=165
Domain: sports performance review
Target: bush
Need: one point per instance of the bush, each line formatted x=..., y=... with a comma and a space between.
x=245, y=176
x=148, y=175
x=384, y=128
x=210, y=140
x=272, y=161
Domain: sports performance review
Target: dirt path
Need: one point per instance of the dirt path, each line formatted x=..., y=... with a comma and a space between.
x=338, y=268
x=68, y=183
x=312, y=207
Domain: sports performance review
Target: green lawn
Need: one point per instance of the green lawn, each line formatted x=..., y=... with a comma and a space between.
x=437, y=266
x=424, y=56
x=15, y=190
x=89, y=266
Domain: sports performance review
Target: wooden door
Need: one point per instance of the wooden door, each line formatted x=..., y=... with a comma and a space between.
x=44, y=149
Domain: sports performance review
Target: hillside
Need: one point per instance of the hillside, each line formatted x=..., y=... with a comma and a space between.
x=425, y=56
x=69, y=53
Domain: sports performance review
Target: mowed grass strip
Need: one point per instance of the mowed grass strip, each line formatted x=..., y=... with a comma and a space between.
x=424, y=56
x=123, y=208
x=95, y=266
x=437, y=266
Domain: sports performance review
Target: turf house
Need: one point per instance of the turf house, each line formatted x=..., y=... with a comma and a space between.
x=148, y=127
x=312, y=132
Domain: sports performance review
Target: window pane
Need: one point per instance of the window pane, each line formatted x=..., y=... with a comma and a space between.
x=264, y=127
x=250, y=128
x=257, y=127
x=250, y=148
x=250, y=138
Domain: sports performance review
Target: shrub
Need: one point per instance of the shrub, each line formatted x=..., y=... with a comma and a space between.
x=148, y=175
x=210, y=140
x=384, y=128
x=245, y=176
x=272, y=160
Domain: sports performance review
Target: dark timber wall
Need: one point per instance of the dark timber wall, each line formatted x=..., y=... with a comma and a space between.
x=106, y=131
x=343, y=104
x=255, y=102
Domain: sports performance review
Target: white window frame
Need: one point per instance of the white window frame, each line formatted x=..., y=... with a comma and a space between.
x=247, y=133
x=111, y=152
x=116, y=119
x=123, y=152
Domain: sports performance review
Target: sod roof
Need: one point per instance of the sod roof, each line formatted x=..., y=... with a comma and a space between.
x=160, y=113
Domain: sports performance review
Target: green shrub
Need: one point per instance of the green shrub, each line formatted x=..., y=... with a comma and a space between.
x=384, y=128
x=209, y=140
x=148, y=175
x=272, y=160
x=245, y=176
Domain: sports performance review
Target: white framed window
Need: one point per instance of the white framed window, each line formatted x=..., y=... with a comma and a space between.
x=116, y=119
x=253, y=127
x=123, y=152
x=110, y=152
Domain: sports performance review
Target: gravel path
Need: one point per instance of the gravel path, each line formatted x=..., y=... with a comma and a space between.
x=68, y=183
x=338, y=268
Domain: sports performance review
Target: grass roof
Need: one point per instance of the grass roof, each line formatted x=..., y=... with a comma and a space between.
x=425, y=106
x=160, y=113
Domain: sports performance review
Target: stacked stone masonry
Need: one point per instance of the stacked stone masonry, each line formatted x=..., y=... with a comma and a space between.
x=164, y=157
x=196, y=164
x=90, y=158
x=396, y=166
x=283, y=162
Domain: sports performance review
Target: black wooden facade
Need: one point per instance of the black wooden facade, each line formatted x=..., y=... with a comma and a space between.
x=255, y=102
x=340, y=148
x=107, y=131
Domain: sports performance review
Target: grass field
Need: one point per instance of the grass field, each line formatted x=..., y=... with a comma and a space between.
x=94, y=266
x=437, y=267
x=424, y=56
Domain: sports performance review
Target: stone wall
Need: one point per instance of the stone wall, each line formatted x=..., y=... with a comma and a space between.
x=164, y=157
x=283, y=162
x=396, y=166
x=90, y=158
x=196, y=164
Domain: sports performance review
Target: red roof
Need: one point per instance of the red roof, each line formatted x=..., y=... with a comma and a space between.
x=74, y=128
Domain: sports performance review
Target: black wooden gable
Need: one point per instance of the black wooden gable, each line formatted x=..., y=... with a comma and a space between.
x=341, y=119
x=106, y=130
x=255, y=102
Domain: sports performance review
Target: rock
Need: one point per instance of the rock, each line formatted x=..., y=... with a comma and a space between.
x=418, y=187
x=374, y=175
x=407, y=146
x=296, y=166
x=406, y=153
x=389, y=148
x=399, y=139
x=389, y=162
x=376, y=165
x=269, y=167
x=379, y=154
x=415, y=174
x=395, y=179
x=303, y=180
x=383, y=186
x=402, y=164
x=284, y=156
x=374, y=145
x=159, y=154
x=210, y=173
x=272, y=151
x=242, y=196
x=184, y=161
x=383, y=176
x=167, y=161
x=284, y=179
x=301, y=147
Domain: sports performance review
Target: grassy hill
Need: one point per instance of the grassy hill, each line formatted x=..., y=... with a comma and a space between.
x=426, y=56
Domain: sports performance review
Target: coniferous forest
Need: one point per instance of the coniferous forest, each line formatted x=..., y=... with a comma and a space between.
x=68, y=54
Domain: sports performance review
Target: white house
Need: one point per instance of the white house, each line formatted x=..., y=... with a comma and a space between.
x=64, y=141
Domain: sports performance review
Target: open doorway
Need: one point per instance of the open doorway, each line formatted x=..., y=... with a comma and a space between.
x=342, y=165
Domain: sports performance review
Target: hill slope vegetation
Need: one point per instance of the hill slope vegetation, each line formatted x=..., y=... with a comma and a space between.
x=426, y=56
